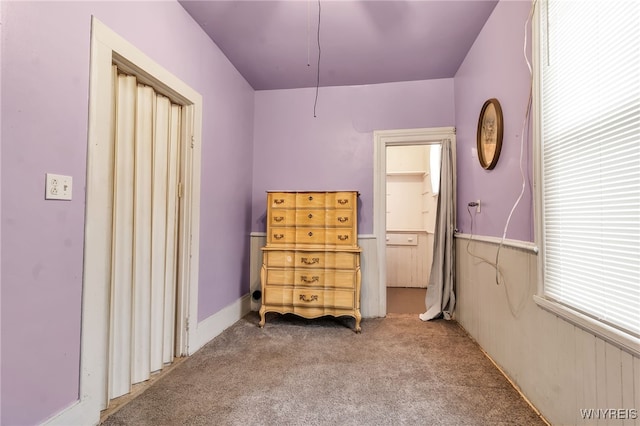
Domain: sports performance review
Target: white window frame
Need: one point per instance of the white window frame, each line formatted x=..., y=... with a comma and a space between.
x=624, y=341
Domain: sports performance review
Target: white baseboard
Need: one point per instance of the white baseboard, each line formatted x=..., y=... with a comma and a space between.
x=79, y=413
x=220, y=321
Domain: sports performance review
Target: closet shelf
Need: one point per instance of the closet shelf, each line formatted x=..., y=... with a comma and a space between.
x=408, y=173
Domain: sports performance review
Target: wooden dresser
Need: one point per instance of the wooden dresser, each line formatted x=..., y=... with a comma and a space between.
x=311, y=261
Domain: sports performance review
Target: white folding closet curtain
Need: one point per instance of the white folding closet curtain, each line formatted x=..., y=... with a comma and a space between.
x=144, y=247
x=441, y=299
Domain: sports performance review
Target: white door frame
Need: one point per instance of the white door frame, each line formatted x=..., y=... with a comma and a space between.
x=108, y=48
x=383, y=139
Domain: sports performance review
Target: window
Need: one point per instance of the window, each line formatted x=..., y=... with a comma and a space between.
x=589, y=168
x=434, y=167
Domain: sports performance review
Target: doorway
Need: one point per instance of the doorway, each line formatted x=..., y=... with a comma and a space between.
x=107, y=50
x=412, y=183
x=384, y=140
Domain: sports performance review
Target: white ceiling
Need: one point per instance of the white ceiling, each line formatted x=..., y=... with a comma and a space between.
x=274, y=44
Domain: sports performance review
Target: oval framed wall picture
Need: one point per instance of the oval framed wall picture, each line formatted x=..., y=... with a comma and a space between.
x=489, y=135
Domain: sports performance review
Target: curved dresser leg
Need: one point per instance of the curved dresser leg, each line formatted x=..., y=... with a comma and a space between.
x=358, y=318
x=262, y=318
x=263, y=277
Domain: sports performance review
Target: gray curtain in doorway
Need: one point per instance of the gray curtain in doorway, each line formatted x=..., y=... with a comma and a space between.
x=441, y=299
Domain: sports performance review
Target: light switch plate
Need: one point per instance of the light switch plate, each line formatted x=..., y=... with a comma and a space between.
x=58, y=187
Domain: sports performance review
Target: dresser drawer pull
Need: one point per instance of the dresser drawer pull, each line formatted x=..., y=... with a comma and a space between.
x=278, y=218
x=310, y=198
x=310, y=234
x=313, y=260
x=343, y=219
x=343, y=237
x=312, y=298
x=278, y=236
x=310, y=216
x=343, y=201
x=313, y=279
x=278, y=201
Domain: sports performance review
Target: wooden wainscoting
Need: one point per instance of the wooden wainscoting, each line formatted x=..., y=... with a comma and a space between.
x=559, y=367
x=409, y=257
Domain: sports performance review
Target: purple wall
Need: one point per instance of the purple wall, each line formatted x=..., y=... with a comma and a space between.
x=495, y=68
x=333, y=151
x=45, y=80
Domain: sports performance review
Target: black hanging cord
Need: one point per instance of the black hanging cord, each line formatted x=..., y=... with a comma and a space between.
x=318, y=70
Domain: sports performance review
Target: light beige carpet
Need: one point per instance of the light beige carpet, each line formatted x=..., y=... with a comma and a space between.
x=398, y=371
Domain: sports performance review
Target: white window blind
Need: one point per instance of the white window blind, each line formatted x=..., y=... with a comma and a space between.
x=590, y=135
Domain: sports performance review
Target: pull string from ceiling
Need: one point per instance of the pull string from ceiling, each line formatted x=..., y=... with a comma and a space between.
x=308, y=33
x=315, y=103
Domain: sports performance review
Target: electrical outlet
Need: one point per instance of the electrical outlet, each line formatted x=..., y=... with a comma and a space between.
x=58, y=187
x=477, y=206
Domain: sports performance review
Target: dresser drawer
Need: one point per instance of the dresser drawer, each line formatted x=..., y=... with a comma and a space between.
x=280, y=200
x=311, y=236
x=341, y=218
x=340, y=237
x=311, y=217
x=281, y=236
x=310, y=200
x=287, y=296
x=328, y=236
x=311, y=277
x=282, y=217
x=311, y=259
x=342, y=200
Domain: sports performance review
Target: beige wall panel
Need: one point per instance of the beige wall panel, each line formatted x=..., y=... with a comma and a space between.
x=257, y=242
x=559, y=367
x=409, y=265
